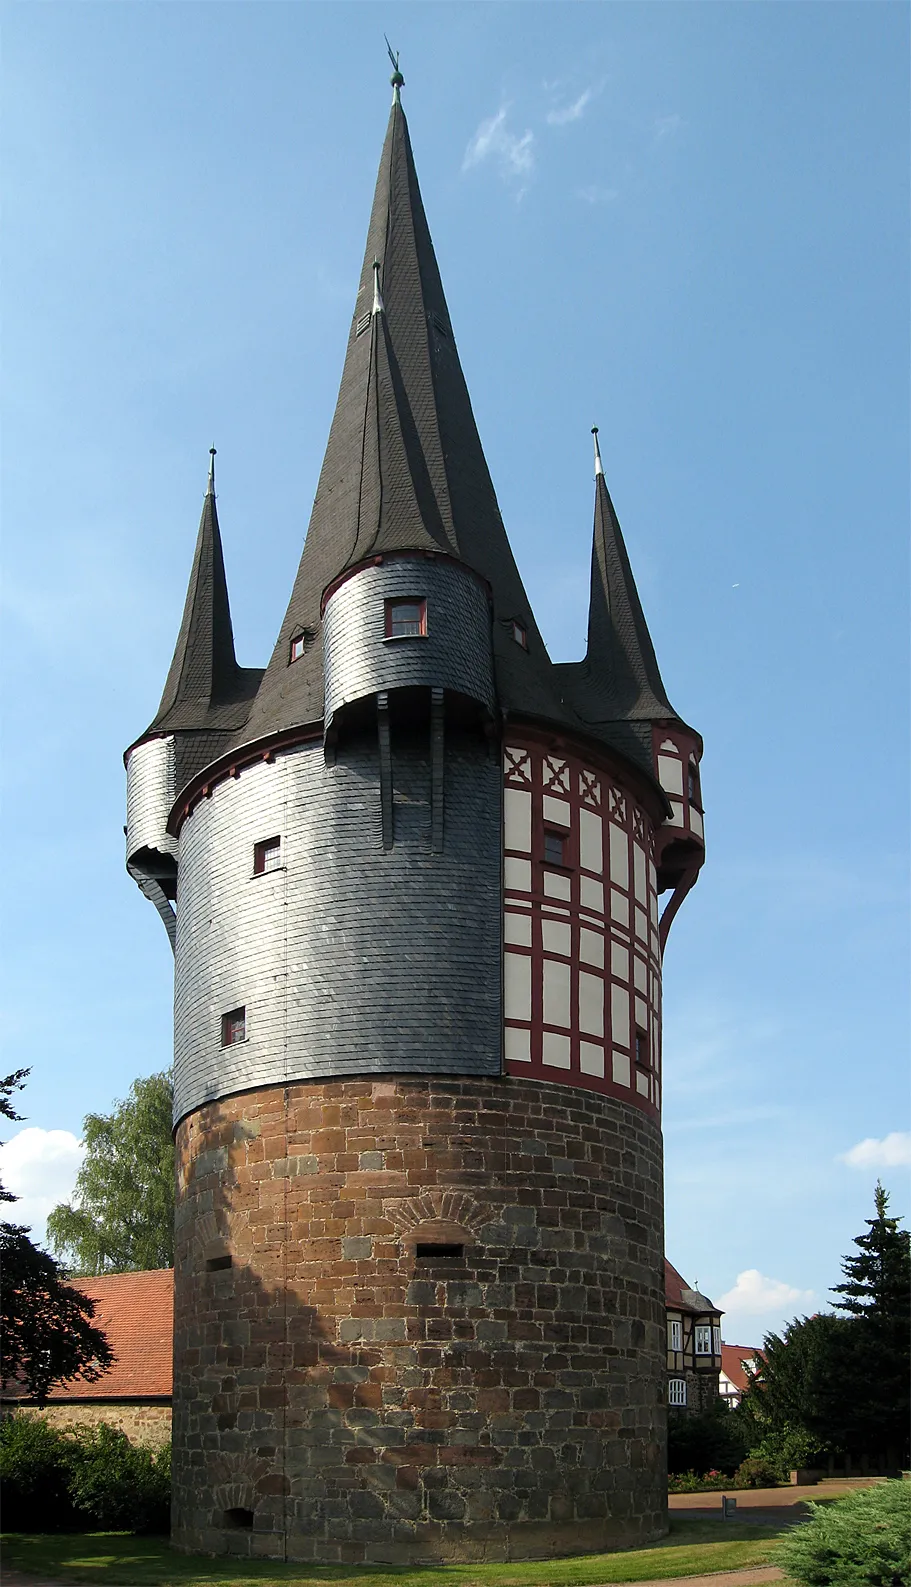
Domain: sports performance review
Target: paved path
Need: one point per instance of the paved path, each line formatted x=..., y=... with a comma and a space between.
x=721, y=1578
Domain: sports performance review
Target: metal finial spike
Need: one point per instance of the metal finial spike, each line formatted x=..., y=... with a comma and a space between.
x=210, y=490
x=397, y=80
x=598, y=465
x=378, y=305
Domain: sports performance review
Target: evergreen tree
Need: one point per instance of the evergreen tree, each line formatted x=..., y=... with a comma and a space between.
x=47, y=1333
x=877, y=1298
x=121, y=1218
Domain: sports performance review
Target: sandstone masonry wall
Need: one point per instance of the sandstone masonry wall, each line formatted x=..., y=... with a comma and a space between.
x=339, y=1396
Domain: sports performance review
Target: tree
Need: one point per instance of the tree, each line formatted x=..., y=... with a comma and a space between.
x=877, y=1298
x=47, y=1330
x=121, y=1218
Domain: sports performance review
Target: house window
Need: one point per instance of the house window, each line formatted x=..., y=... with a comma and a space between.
x=406, y=619
x=716, y=1341
x=692, y=783
x=702, y=1335
x=234, y=1027
x=676, y=1391
x=446, y=1251
x=267, y=856
x=297, y=648
x=676, y=1336
x=520, y=633
x=554, y=843
x=642, y=1049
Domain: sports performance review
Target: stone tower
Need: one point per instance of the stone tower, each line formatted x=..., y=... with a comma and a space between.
x=410, y=873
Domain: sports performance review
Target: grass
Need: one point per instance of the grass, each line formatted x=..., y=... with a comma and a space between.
x=693, y=1546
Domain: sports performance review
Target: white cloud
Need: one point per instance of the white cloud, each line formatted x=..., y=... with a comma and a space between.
x=758, y=1298
x=40, y=1167
x=573, y=112
x=513, y=154
x=595, y=194
x=893, y=1151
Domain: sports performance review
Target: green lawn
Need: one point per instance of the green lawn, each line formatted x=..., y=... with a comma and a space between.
x=692, y=1547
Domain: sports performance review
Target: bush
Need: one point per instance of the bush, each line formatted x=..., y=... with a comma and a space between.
x=33, y=1473
x=709, y=1440
x=84, y=1478
x=863, y=1540
x=756, y=1472
x=689, y=1482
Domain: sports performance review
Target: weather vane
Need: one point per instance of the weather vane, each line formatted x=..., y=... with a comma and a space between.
x=397, y=80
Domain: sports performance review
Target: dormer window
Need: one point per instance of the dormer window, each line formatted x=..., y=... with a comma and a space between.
x=406, y=619
x=297, y=648
x=520, y=633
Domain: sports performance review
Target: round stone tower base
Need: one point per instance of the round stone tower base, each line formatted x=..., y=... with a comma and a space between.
x=418, y=1320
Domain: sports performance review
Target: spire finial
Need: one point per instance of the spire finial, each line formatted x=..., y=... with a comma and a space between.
x=210, y=488
x=598, y=467
x=397, y=80
x=378, y=305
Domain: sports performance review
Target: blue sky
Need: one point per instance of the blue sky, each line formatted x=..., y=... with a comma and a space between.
x=685, y=223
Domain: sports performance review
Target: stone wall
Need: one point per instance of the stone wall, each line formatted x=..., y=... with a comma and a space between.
x=143, y=1422
x=340, y=1396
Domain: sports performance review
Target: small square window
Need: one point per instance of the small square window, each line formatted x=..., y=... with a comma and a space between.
x=676, y=1340
x=554, y=844
x=298, y=646
x=676, y=1391
x=520, y=633
x=267, y=856
x=642, y=1058
x=234, y=1027
x=702, y=1339
x=406, y=619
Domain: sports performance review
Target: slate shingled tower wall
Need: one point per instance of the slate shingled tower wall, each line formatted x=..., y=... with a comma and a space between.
x=411, y=873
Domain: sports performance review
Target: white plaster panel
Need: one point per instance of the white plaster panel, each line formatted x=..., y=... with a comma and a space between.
x=642, y=1083
x=556, y=810
x=517, y=985
x=591, y=1058
x=696, y=821
x=641, y=1014
x=591, y=1004
x=619, y=961
x=675, y=819
x=517, y=929
x=619, y=1015
x=590, y=854
x=619, y=907
x=555, y=885
x=619, y=856
x=591, y=894
x=555, y=1050
x=517, y=1045
x=620, y=1068
x=642, y=925
x=556, y=993
x=591, y=947
x=640, y=973
x=556, y=936
x=670, y=773
x=639, y=886
x=517, y=818
x=517, y=874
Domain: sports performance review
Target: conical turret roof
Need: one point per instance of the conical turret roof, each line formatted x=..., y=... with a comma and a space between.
x=404, y=468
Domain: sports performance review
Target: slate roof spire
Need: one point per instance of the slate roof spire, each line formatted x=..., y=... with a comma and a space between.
x=403, y=468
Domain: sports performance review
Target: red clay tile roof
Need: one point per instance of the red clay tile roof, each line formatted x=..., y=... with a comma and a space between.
x=731, y=1358
x=136, y=1312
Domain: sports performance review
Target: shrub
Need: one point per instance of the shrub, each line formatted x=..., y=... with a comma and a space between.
x=33, y=1472
x=689, y=1482
x=862, y=1540
x=119, y=1486
x=712, y=1439
x=83, y=1478
x=756, y=1472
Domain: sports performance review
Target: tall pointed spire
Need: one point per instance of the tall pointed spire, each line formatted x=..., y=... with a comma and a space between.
x=619, y=678
x=404, y=468
x=204, y=671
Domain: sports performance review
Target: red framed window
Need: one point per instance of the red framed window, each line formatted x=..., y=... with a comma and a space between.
x=554, y=847
x=520, y=633
x=234, y=1027
x=267, y=856
x=692, y=784
x=297, y=648
x=642, y=1057
x=406, y=619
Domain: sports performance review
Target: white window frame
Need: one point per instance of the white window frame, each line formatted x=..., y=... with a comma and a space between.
x=676, y=1391
x=675, y=1334
x=702, y=1339
x=716, y=1341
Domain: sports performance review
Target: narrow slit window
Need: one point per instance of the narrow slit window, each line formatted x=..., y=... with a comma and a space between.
x=692, y=783
x=676, y=1391
x=218, y=1264
x=234, y=1027
x=554, y=848
x=267, y=856
x=239, y=1519
x=520, y=634
x=642, y=1058
x=446, y=1251
x=406, y=619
